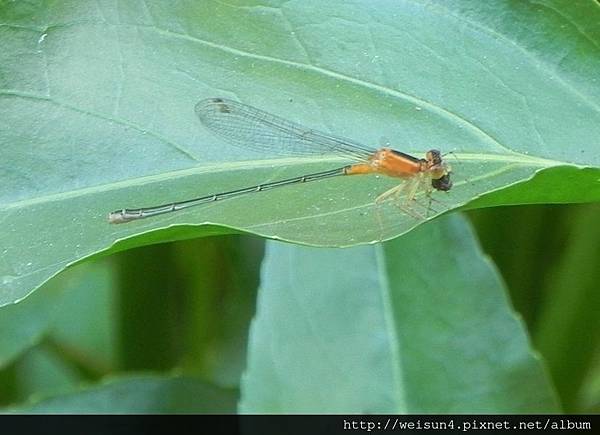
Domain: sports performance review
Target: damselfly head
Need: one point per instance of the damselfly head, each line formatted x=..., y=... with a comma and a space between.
x=434, y=157
x=440, y=171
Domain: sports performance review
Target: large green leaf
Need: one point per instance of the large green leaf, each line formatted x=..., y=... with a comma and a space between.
x=97, y=98
x=421, y=324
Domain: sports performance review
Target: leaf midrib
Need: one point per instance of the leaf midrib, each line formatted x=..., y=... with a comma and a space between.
x=216, y=167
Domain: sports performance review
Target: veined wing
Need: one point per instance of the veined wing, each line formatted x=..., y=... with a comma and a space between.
x=248, y=127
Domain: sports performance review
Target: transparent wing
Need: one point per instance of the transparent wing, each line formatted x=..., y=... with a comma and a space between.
x=248, y=127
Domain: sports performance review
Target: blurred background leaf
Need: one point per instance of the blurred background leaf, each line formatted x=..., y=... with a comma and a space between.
x=172, y=310
x=549, y=256
x=418, y=325
x=77, y=342
x=137, y=395
x=35, y=318
x=526, y=242
x=187, y=306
